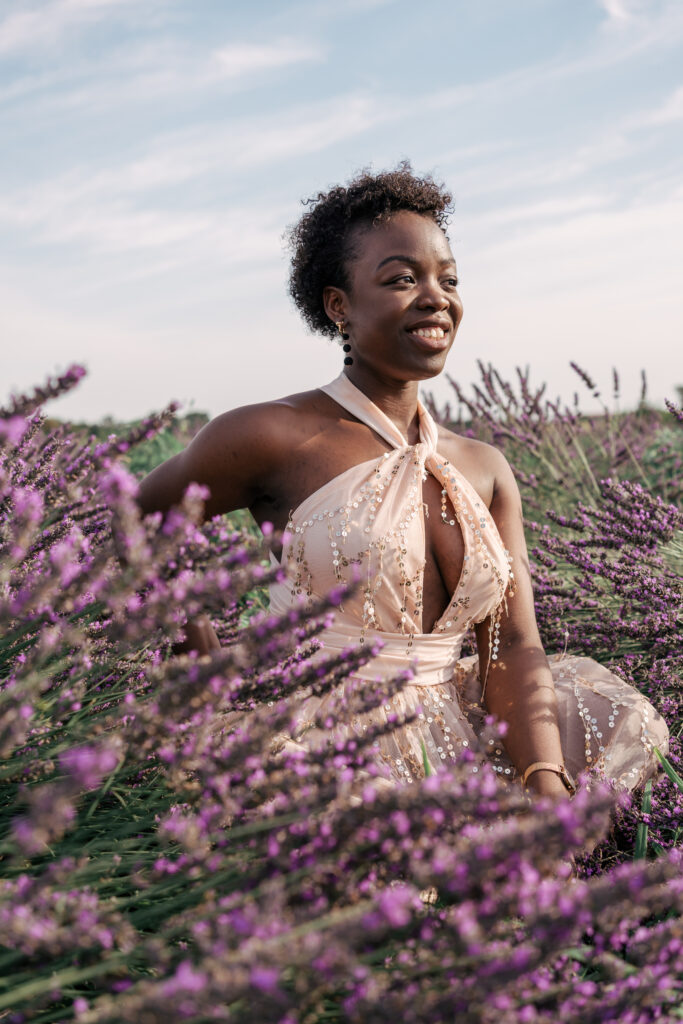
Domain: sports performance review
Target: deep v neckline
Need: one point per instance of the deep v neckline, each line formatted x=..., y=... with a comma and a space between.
x=354, y=401
x=367, y=524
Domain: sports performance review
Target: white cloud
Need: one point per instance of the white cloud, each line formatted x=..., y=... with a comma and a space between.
x=549, y=209
x=668, y=111
x=240, y=59
x=122, y=207
x=513, y=170
x=104, y=224
x=642, y=236
x=633, y=26
x=567, y=239
x=622, y=12
x=328, y=125
x=44, y=25
x=618, y=10
x=656, y=27
x=671, y=109
x=323, y=10
x=145, y=71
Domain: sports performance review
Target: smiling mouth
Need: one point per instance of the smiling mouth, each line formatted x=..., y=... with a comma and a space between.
x=429, y=333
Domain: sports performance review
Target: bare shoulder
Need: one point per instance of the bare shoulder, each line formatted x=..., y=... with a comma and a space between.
x=258, y=437
x=265, y=423
x=484, y=465
x=235, y=455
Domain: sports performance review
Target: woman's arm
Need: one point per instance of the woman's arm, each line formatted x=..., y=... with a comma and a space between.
x=231, y=456
x=519, y=686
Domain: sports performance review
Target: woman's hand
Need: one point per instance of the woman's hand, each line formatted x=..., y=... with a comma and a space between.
x=200, y=638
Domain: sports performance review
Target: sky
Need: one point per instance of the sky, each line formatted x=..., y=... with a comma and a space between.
x=154, y=152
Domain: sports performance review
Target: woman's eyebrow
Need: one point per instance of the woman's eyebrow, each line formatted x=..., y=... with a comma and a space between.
x=399, y=258
x=448, y=261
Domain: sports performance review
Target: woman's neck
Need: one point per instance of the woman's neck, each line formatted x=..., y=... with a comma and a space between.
x=396, y=399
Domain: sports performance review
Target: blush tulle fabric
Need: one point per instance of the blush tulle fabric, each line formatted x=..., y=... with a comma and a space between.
x=368, y=524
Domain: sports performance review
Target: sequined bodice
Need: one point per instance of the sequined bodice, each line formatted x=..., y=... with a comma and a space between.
x=367, y=524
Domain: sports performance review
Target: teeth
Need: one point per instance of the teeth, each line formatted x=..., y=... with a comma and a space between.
x=430, y=332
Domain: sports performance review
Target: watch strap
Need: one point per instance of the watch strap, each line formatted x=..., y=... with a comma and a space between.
x=549, y=766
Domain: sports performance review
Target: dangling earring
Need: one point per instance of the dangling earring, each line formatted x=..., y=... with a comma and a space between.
x=339, y=324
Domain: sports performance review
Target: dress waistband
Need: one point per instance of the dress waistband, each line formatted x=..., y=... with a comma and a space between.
x=432, y=656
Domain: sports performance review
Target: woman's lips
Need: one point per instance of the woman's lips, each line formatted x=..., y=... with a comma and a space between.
x=430, y=339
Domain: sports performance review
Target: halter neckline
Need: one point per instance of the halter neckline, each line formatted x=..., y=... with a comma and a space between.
x=355, y=401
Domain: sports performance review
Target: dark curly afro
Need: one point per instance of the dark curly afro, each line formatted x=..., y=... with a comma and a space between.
x=322, y=242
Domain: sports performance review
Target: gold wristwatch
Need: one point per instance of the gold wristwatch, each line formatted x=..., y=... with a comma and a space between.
x=547, y=766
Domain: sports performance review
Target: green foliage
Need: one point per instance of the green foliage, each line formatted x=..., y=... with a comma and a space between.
x=146, y=873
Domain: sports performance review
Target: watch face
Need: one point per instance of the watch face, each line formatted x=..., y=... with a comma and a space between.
x=568, y=780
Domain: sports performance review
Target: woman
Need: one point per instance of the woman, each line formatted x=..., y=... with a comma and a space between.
x=430, y=522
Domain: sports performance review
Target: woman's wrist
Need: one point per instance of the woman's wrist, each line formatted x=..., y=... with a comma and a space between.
x=546, y=782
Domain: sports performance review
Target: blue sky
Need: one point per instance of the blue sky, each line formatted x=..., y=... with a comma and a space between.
x=154, y=151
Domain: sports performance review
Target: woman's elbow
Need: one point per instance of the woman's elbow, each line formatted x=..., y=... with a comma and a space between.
x=162, y=488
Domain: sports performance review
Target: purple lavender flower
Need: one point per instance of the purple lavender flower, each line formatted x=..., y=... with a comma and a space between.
x=178, y=844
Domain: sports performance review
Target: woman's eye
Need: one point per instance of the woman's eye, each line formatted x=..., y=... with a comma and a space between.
x=403, y=277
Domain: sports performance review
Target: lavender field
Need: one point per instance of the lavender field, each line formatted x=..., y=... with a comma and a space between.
x=165, y=857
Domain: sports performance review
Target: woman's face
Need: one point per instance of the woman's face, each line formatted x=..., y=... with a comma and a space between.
x=402, y=308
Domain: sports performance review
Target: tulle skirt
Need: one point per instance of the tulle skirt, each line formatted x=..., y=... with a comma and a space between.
x=606, y=726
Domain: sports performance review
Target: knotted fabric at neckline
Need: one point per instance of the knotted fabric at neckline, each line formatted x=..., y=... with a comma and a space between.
x=364, y=409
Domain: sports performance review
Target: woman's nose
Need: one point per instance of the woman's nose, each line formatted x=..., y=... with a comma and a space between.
x=432, y=295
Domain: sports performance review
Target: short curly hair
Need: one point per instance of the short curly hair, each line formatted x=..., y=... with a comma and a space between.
x=322, y=240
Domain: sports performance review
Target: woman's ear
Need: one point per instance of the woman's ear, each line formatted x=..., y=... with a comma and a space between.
x=335, y=303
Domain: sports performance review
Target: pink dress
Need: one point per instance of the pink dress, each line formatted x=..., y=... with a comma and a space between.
x=368, y=523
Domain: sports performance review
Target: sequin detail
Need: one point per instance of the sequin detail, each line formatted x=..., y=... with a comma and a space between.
x=367, y=525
